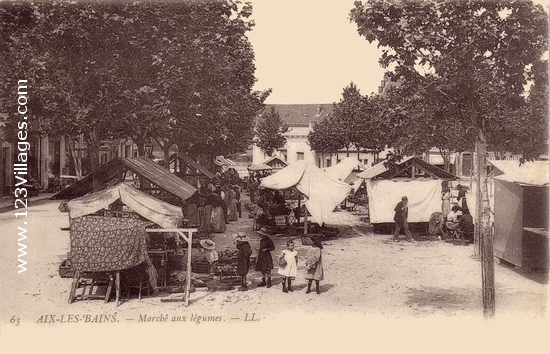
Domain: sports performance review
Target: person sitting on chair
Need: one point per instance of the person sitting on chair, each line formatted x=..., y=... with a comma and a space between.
x=452, y=219
x=466, y=226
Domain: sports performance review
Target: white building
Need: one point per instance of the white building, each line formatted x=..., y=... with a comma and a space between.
x=300, y=119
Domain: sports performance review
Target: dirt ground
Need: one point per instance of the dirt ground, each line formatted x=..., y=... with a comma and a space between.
x=365, y=274
x=374, y=289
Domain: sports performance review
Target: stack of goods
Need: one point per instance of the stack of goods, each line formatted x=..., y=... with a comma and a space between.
x=227, y=262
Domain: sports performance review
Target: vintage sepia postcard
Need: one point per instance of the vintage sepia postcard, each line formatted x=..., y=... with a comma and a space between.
x=274, y=175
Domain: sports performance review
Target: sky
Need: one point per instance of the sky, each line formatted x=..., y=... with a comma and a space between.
x=308, y=51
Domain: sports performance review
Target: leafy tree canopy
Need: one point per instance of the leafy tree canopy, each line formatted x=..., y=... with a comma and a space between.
x=178, y=71
x=472, y=56
x=269, y=133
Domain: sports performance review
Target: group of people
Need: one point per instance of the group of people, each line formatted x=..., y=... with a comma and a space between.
x=456, y=220
x=220, y=204
x=287, y=261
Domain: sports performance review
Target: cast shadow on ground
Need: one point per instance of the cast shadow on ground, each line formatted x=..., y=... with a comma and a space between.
x=537, y=275
x=452, y=299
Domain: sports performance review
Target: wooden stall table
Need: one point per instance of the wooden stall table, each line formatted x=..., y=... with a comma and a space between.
x=187, y=235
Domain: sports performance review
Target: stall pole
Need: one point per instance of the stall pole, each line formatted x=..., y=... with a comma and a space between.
x=305, y=220
x=184, y=234
x=299, y=208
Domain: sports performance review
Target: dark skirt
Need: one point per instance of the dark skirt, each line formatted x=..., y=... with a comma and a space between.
x=243, y=258
x=264, y=261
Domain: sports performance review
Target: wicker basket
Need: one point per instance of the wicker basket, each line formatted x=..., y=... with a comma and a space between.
x=65, y=269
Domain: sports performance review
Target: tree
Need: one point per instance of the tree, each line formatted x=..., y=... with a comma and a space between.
x=269, y=134
x=349, y=118
x=322, y=138
x=414, y=119
x=479, y=53
x=176, y=72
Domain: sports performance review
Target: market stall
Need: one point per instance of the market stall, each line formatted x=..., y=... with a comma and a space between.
x=109, y=233
x=321, y=192
x=412, y=177
x=521, y=213
x=346, y=171
x=142, y=172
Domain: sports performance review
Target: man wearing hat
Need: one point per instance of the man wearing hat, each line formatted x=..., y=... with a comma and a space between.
x=400, y=218
x=243, y=257
x=208, y=248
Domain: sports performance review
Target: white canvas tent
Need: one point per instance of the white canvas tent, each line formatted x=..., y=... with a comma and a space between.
x=411, y=177
x=164, y=214
x=344, y=171
x=424, y=199
x=322, y=192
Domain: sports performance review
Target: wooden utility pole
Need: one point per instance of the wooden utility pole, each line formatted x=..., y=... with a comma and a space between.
x=477, y=216
x=486, y=235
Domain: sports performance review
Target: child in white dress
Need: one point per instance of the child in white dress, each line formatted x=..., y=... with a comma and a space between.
x=289, y=267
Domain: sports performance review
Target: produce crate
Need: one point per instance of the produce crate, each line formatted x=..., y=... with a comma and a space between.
x=65, y=269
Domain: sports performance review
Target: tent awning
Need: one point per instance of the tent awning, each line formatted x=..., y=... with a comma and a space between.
x=532, y=173
x=142, y=166
x=259, y=167
x=323, y=193
x=164, y=214
x=380, y=170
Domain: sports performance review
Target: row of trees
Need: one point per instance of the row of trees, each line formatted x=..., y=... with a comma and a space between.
x=462, y=69
x=180, y=73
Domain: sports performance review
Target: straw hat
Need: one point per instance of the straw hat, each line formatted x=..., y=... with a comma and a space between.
x=241, y=236
x=263, y=231
x=208, y=244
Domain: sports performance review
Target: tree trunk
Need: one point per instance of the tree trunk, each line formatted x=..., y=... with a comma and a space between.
x=165, y=146
x=75, y=158
x=477, y=217
x=93, y=146
x=166, y=151
x=140, y=146
x=487, y=258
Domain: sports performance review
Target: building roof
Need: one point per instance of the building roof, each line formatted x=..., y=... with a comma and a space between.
x=533, y=173
x=297, y=115
x=223, y=161
x=381, y=171
x=275, y=161
x=192, y=164
x=142, y=166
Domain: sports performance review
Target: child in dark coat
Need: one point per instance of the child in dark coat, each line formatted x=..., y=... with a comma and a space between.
x=243, y=257
x=264, y=263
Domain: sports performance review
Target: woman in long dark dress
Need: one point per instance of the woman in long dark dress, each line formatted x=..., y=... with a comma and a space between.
x=218, y=219
x=243, y=257
x=207, y=210
x=264, y=263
